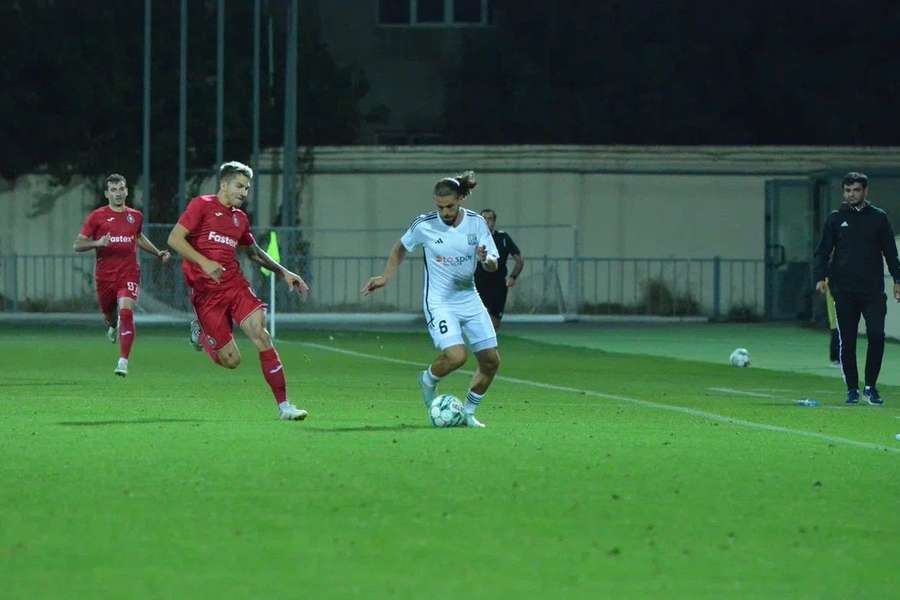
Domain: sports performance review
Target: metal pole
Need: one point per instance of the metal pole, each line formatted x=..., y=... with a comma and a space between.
x=145, y=153
x=289, y=154
x=182, y=112
x=255, y=137
x=575, y=284
x=220, y=84
x=271, y=54
x=717, y=284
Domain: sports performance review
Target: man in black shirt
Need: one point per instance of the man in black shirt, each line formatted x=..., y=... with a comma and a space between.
x=849, y=256
x=493, y=287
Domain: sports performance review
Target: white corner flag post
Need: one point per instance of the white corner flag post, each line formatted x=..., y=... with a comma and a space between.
x=272, y=251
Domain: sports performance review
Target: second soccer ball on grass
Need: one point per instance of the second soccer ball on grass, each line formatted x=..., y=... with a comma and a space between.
x=740, y=358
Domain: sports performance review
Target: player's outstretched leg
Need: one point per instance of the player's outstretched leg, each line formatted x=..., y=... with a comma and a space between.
x=488, y=364
x=254, y=326
x=448, y=361
x=126, y=339
x=273, y=373
x=428, y=384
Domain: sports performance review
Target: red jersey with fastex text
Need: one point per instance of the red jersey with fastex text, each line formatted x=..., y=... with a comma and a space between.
x=124, y=229
x=215, y=231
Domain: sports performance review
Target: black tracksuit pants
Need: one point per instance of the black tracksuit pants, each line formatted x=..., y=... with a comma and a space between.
x=873, y=308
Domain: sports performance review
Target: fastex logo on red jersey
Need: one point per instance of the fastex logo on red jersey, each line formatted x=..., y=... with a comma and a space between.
x=222, y=239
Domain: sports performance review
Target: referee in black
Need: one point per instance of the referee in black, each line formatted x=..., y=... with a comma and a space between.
x=493, y=287
x=849, y=255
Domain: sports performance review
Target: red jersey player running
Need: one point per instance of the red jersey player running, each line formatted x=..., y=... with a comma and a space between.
x=114, y=231
x=207, y=236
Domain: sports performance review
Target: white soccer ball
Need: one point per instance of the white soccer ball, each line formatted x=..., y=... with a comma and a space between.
x=446, y=411
x=740, y=358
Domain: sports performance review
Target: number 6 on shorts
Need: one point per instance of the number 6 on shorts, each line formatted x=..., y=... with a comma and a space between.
x=444, y=329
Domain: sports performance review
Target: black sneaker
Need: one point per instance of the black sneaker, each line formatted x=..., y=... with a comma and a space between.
x=852, y=396
x=872, y=397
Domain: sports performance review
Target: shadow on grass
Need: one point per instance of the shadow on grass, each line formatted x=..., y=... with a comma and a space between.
x=368, y=428
x=126, y=422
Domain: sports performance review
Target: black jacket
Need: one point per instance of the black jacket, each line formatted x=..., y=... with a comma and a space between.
x=849, y=253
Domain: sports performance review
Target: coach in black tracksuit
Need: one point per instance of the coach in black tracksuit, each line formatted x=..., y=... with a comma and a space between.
x=849, y=257
x=493, y=287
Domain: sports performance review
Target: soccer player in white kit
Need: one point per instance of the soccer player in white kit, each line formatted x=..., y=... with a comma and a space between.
x=453, y=238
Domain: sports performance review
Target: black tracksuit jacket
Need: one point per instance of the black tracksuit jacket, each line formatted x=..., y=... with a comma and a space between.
x=849, y=253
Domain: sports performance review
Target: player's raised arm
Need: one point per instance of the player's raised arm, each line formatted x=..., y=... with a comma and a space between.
x=487, y=250
x=398, y=253
x=148, y=246
x=262, y=258
x=487, y=261
x=178, y=242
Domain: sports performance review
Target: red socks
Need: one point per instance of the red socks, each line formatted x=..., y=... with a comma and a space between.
x=126, y=331
x=273, y=371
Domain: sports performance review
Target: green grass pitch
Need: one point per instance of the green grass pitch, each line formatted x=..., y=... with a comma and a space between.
x=599, y=475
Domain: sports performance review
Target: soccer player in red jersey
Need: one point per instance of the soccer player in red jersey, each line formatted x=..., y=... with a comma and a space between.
x=114, y=231
x=207, y=236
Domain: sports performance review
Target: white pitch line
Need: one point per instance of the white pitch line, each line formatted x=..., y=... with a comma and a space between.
x=645, y=403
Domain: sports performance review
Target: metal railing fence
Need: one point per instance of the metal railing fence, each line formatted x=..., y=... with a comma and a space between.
x=712, y=287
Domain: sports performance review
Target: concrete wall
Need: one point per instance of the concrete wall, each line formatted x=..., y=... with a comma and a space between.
x=39, y=220
x=557, y=202
x=615, y=215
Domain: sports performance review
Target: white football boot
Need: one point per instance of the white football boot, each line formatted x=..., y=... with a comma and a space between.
x=195, y=335
x=428, y=392
x=112, y=334
x=289, y=412
x=121, y=367
x=471, y=421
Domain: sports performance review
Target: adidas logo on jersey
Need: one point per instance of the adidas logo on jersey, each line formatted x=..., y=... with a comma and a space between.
x=844, y=224
x=439, y=241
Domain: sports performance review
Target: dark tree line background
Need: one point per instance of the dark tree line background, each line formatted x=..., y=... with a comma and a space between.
x=561, y=72
x=73, y=90
x=682, y=72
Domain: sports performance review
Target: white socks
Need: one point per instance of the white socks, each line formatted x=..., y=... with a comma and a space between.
x=429, y=379
x=472, y=402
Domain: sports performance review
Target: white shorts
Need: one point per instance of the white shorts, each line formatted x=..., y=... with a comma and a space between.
x=454, y=324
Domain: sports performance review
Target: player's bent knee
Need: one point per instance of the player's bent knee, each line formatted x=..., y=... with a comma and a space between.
x=456, y=357
x=229, y=360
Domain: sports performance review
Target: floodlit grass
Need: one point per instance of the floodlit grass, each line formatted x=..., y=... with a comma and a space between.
x=599, y=475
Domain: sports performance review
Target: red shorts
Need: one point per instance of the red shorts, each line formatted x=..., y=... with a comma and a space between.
x=219, y=310
x=122, y=286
